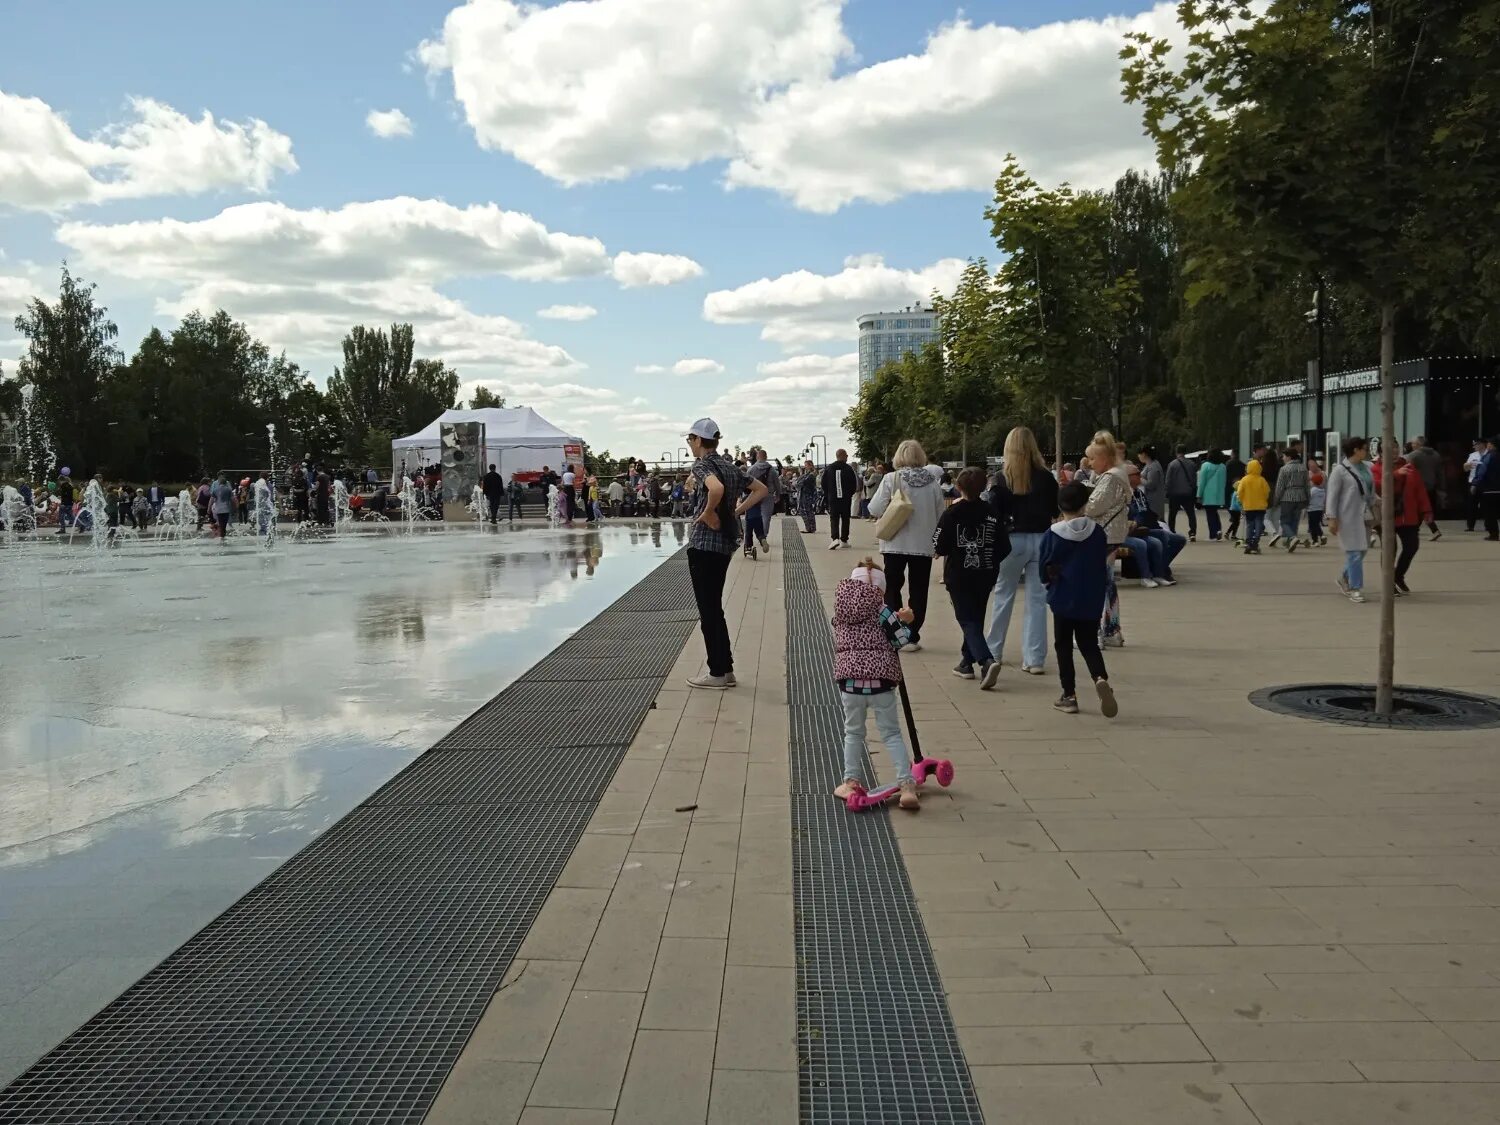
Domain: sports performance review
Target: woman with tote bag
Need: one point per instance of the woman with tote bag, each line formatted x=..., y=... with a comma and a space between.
x=906, y=544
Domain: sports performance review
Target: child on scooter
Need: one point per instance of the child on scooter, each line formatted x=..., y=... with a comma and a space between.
x=866, y=638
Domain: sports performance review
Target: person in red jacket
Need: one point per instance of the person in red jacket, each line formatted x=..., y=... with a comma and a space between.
x=1413, y=509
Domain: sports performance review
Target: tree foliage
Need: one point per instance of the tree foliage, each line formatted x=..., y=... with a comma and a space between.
x=485, y=399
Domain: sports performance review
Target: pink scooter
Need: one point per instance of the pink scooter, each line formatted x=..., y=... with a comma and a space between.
x=921, y=768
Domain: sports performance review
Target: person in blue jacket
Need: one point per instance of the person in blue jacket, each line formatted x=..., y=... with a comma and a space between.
x=1212, y=489
x=1075, y=559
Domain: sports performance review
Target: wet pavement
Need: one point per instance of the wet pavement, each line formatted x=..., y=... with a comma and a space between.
x=177, y=720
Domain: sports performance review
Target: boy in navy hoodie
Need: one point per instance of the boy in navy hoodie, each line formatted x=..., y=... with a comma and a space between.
x=1075, y=555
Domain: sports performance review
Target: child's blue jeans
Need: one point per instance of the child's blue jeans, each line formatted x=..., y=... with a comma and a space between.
x=887, y=722
x=1255, y=523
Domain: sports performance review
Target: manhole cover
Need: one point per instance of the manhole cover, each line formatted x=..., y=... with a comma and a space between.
x=1417, y=708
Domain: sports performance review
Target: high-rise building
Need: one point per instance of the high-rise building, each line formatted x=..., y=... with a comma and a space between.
x=887, y=336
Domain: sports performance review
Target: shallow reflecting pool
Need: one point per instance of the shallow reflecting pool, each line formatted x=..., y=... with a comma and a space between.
x=176, y=720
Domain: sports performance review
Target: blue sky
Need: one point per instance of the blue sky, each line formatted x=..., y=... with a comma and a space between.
x=781, y=170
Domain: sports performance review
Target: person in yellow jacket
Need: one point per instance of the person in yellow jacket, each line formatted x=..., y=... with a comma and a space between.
x=1254, y=493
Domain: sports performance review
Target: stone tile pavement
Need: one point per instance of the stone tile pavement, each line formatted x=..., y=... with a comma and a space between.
x=1199, y=912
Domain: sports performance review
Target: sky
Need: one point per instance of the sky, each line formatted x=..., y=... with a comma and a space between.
x=623, y=213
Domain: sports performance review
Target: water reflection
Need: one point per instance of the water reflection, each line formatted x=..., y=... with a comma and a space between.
x=196, y=717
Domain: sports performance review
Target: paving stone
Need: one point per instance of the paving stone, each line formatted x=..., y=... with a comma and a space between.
x=482, y=1092
x=565, y=927
x=1328, y=1040
x=686, y=985
x=1455, y=1003
x=701, y=906
x=519, y=1022
x=762, y=930
x=1374, y=1104
x=1292, y=1005
x=1189, y=1105
x=752, y=1097
x=1251, y=958
x=1032, y=1074
x=668, y=1080
x=540, y=1115
x=595, y=861
x=1228, y=1073
x=1081, y=1043
x=1482, y=1040
x=1037, y=1009
x=757, y=1019
x=585, y=1065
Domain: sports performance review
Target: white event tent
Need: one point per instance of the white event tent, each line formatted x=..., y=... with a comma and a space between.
x=515, y=441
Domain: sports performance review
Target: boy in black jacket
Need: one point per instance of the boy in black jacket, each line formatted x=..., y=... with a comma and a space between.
x=974, y=543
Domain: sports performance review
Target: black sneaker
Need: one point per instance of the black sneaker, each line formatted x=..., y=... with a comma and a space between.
x=1402, y=586
x=1068, y=705
x=964, y=671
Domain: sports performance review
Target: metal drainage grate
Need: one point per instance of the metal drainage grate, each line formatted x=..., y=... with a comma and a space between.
x=343, y=987
x=875, y=1038
x=1417, y=708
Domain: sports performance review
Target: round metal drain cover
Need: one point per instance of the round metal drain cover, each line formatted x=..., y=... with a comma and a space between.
x=1417, y=708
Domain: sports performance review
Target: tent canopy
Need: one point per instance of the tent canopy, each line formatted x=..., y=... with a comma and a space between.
x=519, y=441
x=520, y=428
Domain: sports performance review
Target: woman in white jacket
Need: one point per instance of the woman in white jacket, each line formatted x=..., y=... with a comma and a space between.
x=908, y=553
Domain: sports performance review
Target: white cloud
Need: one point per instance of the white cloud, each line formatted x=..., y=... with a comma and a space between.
x=650, y=369
x=782, y=411
x=802, y=307
x=666, y=187
x=634, y=271
x=697, y=367
x=589, y=91
x=302, y=277
x=45, y=166
x=388, y=123
x=568, y=312
x=944, y=119
x=844, y=366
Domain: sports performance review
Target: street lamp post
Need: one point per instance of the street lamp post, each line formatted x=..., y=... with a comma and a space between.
x=1317, y=314
x=824, y=439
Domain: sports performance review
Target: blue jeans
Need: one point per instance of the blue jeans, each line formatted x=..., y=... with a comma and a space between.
x=1024, y=558
x=1255, y=524
x=968, y=609
x=754, y=527
x=887, y=722
x=1291, y=519
x=1354, y=569
x=1171, y=545
x=1148, y=556
x=1211, y=514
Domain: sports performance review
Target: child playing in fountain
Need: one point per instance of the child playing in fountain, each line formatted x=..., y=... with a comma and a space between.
x=866, y=638
x=1075, y=555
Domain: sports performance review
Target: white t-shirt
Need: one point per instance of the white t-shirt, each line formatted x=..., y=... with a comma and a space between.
x=1472, y=464
x=568, y=478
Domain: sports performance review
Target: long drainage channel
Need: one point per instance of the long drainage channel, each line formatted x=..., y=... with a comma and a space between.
x=344, y=986
x=875, y=1040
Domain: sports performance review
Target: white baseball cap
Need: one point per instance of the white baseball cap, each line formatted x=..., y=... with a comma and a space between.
x=705, y=428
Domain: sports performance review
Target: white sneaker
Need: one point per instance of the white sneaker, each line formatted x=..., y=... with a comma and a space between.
x=730, y=681
x=1166, y=581
x=1037, y=671
x=834, y=545
x=1356, y=596
x=712, y=683
x=766, y=547
x=915, y=646
x=1150, y=583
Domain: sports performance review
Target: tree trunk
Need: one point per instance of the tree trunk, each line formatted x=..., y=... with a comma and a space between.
x=1057, y=434
x=964, y=451
x=1386, y=673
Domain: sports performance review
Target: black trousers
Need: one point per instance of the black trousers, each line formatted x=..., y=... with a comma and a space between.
x=513, y=509
x=1410, y=539
x=897, y=569
x=708, y=569
x=838, y=518
x=1471, y=508
x=494, y=503
x=1489, y=504
x=968, y=611
x=1177, y=504
x=1066, y=631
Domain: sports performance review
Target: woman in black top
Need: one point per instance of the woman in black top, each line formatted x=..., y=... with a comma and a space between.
x=1024, y=496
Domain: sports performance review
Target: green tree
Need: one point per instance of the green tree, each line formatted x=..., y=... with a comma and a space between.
x=214, y=365
x=431, y=388
x=1061, y=302
x=69, y=356
x=485, y=399
x=369, y=389
x=1336, y=136
x=969, y=387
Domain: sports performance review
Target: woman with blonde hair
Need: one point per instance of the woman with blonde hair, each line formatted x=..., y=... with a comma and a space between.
x=1024, y=496
x=1109, y=507
x=907, y=552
